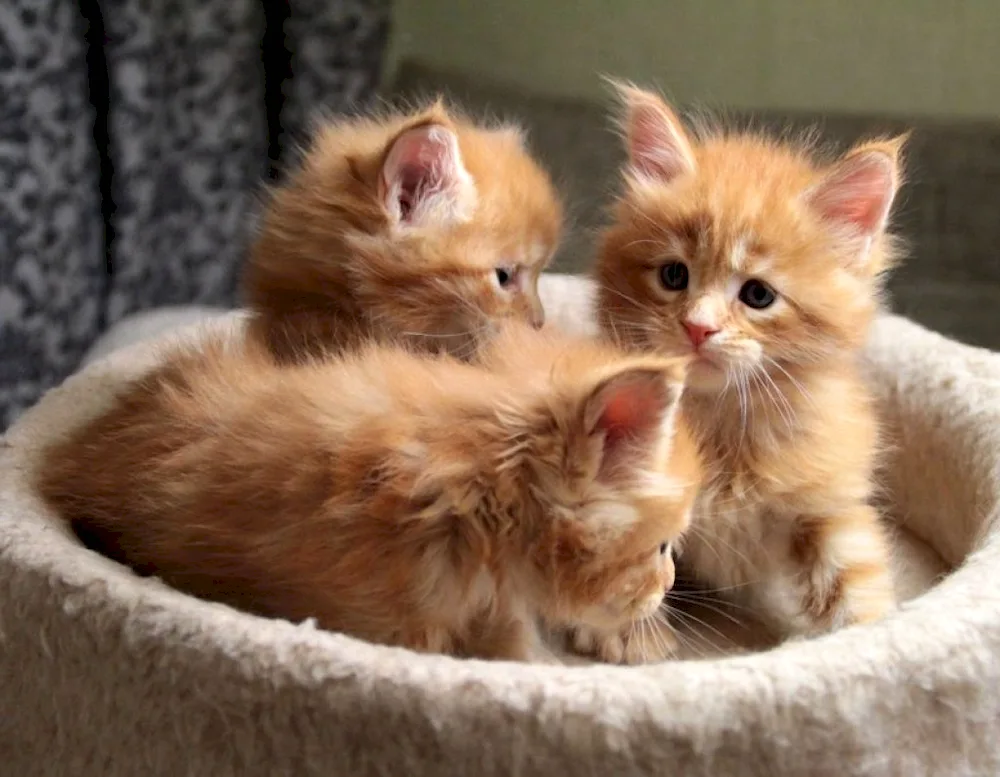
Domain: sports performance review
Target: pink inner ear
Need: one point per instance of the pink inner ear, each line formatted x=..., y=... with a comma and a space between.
x=423, y=162
x=657, y=147
x=627, y=411
x=630, y=413
x=859, y=192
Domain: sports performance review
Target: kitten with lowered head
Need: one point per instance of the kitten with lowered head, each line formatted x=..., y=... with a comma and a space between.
x=423, y=228
x=764, y=263
x=407, y=499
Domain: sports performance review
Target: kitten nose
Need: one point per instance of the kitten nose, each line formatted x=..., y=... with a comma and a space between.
x=669, y=578
x=699, y=333
x=537, y=317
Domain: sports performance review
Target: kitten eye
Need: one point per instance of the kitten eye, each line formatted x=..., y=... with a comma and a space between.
x=757, y=295
x=674, y=276
x=664, y=548
x=505, y=276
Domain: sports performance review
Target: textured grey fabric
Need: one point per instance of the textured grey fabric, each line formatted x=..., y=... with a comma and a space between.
x=336, y=59
x=129, y=166
x=52, y=277
x=108, y=674
x=188, y=147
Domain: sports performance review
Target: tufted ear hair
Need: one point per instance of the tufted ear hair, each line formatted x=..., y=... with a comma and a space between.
x=632, y=412
x=657, y=144
x=857, y=192
x=423, y=179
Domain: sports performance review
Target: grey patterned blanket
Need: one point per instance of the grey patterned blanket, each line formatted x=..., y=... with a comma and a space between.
x=133, y=139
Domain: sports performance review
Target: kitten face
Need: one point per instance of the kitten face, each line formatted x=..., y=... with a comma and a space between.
x=614, y=475
x=473, y=222
x=742, y=251
x=619, y=585
x=423, y=227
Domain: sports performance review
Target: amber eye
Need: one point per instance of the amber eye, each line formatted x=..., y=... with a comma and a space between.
x=757, y=294
x=674, y=276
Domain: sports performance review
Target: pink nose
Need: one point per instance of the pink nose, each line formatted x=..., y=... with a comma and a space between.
x=698, y=333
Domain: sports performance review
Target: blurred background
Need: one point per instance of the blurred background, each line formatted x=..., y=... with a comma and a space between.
x=135, y=136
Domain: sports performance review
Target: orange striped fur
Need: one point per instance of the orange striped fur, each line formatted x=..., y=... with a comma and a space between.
x=407, y=499
x=763, y=262
x=420, y=227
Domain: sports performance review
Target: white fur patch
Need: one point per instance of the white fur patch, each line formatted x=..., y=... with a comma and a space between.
x=537, y=253
x=708, y=311
x=853, y=545
x=610, y=519
x=656, y=485
x=450, y=193
x=738, y=256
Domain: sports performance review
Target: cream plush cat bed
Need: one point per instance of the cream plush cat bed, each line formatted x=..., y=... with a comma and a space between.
x=103, y=673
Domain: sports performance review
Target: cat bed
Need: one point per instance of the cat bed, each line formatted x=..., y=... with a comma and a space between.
x=104, y=673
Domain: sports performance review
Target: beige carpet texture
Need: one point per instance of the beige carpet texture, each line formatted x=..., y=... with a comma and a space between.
x=105, y=673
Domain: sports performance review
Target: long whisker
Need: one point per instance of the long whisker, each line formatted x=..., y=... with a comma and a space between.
x=778, y=399
x=662, y=645
x=686, y=641
x=714, y=540
x=708, y=626
x=798, y=385
x=789, y=412
x=699, y=597
x=645, y=308
x=715, y=609
x=688, y=636
x=443, y=335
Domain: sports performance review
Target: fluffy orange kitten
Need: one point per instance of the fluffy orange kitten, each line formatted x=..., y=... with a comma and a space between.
x=410, y=500
x=765, y=264
x=424, y=228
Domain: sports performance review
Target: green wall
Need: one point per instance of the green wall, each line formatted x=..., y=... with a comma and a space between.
x=889, y=56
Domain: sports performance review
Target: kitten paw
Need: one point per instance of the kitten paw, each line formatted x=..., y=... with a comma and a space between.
x=847, y=579
x=651, y=644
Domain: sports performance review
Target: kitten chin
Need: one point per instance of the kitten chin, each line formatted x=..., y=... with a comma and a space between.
x=720, y=238
x=705, y=377
x=402, y=498
x=423, y=228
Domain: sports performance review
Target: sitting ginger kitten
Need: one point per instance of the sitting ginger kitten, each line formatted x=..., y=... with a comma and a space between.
x=765, y=265
x=407, y=499
x=422, y=228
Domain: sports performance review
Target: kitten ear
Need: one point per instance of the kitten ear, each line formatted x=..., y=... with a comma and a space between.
x=423, y=178
x=632, y=412
x=657, y=145
x=857, y=193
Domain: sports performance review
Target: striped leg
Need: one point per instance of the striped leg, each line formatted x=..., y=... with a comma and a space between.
x=843, y=563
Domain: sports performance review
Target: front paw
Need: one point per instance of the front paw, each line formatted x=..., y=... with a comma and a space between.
x=609, y=648
x=650, y=643
x=845, y=574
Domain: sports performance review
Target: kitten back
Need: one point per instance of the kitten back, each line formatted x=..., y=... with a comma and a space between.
x=395, y=496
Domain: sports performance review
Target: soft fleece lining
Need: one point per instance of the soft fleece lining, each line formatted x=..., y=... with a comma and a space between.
x=103, y=673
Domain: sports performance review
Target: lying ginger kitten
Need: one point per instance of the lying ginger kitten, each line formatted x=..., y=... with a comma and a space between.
x=410, y=500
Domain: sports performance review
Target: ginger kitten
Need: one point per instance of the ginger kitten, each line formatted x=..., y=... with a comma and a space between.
x=424, y=228
x=765, y=264
x=410, y=500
